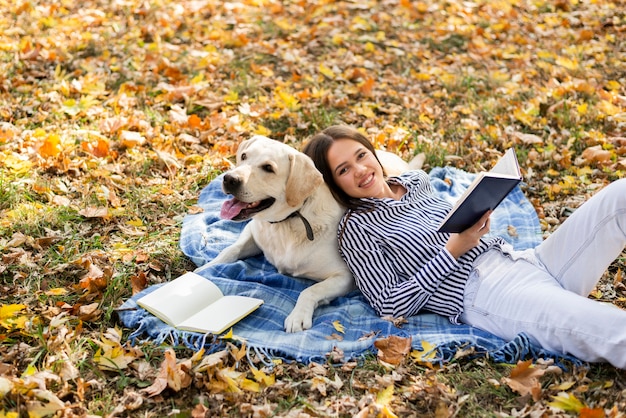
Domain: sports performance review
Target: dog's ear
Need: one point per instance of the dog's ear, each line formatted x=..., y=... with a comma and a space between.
x=303, y=179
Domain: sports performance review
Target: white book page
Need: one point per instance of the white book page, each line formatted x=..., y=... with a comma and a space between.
x=181, y=298
x=221, y=314
x=507, y=165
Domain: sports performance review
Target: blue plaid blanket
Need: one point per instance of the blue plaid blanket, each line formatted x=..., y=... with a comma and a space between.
x=203, y=235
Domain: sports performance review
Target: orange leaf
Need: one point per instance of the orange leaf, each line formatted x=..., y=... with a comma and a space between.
x=366, y=86
x=98, y=148
x=591, y=413
x=138, y=282
x=194, y=121
x=393, y=349
x=524, y=379
x=50, y=146
x=595, y=154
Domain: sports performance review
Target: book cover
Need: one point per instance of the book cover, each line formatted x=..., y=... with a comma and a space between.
x=194, y=303
x=485, y=193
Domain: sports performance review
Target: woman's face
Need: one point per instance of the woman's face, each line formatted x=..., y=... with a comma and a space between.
x=356, y=170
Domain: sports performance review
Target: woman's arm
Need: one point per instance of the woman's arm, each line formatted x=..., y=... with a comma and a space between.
x=387, y=290
x=390, y=292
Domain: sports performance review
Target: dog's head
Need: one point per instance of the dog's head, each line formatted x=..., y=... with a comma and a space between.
x=270, y=181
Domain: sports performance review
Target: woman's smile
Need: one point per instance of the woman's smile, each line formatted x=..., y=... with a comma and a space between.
x=357, y=171
x=367, y=182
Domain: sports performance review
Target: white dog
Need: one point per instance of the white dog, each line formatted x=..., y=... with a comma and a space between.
x=294, y=220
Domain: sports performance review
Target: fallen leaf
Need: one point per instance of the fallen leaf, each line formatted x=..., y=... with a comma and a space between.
x=566, y=402
x=340, y=328
x=393, y=349
x=524, y=379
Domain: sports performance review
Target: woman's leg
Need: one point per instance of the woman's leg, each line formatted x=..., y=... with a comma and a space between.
x=582, y=248
x=507, y=297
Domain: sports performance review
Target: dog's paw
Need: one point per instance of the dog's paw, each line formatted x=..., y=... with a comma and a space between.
x=298, y=321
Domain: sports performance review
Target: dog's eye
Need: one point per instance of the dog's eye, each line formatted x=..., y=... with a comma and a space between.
x=243, y=156
x=268, y=168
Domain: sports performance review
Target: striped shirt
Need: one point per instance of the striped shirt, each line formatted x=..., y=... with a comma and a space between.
x=399, y=260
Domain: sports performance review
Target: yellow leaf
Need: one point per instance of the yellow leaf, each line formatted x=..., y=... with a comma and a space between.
x=111, y=355
x=545, y=55
x=30, y=370
x=385, y=396
x=231, y=378
x=231, y=97
x=385, y=412
x=17, y=164
x=57, y=291
x=337, y=39
x=567, y=63
x=613, y=85
x=250, y=385
x=9, y=311
x=239, y=353
x=427, y=353
x=340, y=328
x=287, y=101
x=262, y=377
x=9, y=319
x=228, y=335
x=608, y=108
x=112, y=358
x=327, y=72
x=566, y=402
x=564, y=386
x=262, y=130
x=135, y=222
x=364, y=110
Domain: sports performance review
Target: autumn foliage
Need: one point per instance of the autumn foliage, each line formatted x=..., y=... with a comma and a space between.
x=114, y=114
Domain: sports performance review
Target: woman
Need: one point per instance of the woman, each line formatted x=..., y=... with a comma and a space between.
x=389, y=240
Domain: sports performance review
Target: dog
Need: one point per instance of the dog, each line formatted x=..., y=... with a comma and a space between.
x=294, y=220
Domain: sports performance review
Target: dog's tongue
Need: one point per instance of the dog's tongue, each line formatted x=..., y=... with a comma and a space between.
x=232, y=208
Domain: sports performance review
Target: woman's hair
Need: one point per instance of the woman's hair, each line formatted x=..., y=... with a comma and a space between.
x=317, y=148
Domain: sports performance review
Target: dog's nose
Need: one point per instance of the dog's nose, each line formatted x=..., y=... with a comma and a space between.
x=231, y=183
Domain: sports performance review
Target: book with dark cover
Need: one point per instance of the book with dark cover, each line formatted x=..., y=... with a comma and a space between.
x=488, y=189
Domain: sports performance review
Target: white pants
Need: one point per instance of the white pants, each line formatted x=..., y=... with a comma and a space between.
x=543, y=292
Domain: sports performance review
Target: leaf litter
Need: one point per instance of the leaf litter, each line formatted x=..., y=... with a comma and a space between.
x=113, y=115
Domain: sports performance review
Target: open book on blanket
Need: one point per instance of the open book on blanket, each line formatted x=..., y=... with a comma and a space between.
x=194, y=303
x=488, y=189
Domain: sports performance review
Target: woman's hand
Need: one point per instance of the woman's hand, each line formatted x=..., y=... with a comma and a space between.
x=459, y=244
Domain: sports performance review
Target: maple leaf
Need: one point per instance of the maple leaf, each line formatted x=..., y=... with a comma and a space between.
x=98, y=147
x=50, y=146
x=263, y=378
x=393, y=349
x=524, y=379
x=112, y=355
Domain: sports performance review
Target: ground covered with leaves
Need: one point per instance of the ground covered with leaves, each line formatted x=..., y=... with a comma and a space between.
x=114, y=114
